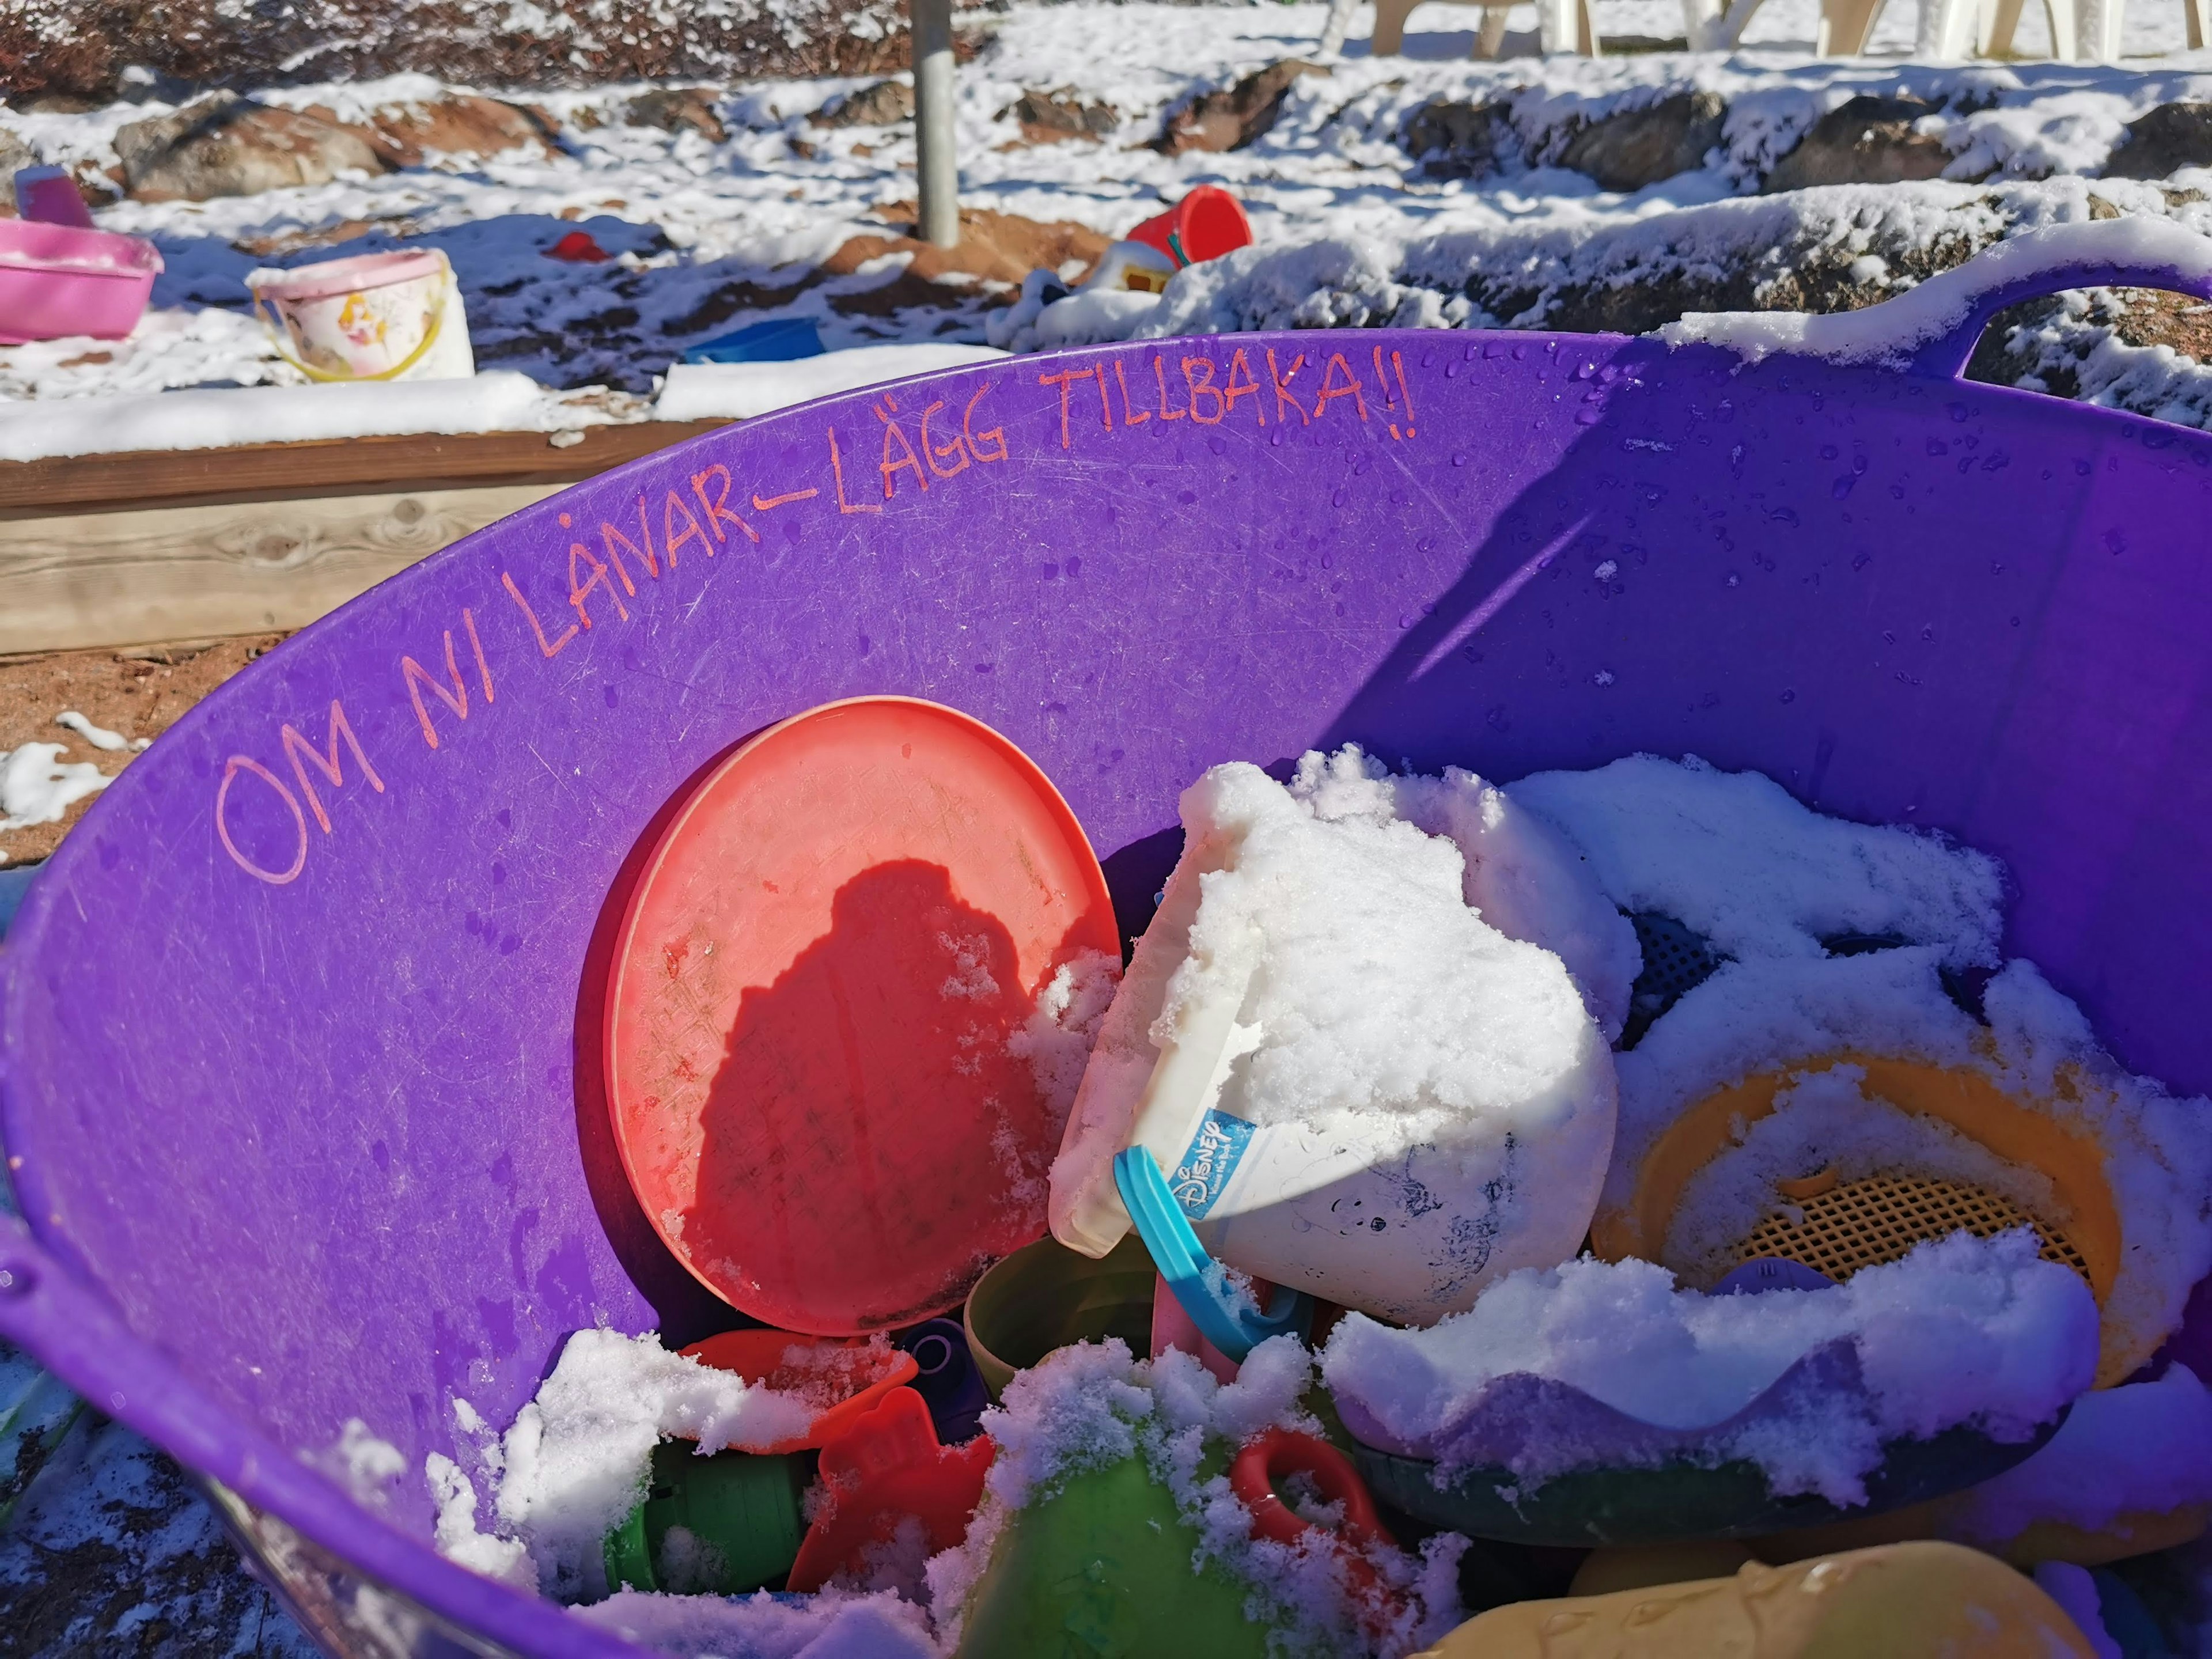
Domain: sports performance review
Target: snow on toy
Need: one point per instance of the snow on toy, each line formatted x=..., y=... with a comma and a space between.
x=57, y=280
x=1597, y=1404
x=887, y=1472
x=1391, y=1142
x=848, y=1379
x=304, y=1085
x=374, y=317
x=833, y=1053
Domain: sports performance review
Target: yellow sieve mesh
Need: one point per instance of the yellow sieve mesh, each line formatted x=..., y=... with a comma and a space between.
x=1860, y=1224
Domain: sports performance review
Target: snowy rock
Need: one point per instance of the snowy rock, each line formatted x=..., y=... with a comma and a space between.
x=1456, y=140
x=885, y=104
x=226, y=145
x=14, y=154
x=1238, y=118
x=1052, y=117
x=1638, y=147
x=678, y=109
x=462, y=123
x=1865, y=141
x=2163, y=142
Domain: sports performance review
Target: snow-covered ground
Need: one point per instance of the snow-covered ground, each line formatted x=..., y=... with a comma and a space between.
x=1350, y=229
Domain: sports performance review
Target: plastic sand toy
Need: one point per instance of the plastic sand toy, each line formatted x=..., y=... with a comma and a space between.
x=811, y=1040
x=1046, y=1296
x=392, y=869
x=1905, y=1602
x=711, y=1526
x=1103, y=1566
x=888, y=1471
x=1317, y=1115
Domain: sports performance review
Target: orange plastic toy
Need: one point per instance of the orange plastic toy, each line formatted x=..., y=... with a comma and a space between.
x=860, y=1374
x=1204, y=225
x=1277, y=1454
x=810, y=1005
x=888, y=1466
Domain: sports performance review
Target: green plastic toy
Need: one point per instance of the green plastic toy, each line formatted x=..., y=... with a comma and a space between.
x=1102, y=1569
x=741, y=1511
x=1045, y=1295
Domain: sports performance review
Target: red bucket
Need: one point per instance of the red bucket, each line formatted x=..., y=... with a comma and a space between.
x=1204, y=225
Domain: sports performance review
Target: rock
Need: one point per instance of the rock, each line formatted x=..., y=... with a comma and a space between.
x=460, y=123
x=2162, y=141
x=1454, y=140
x=14, y=154
x=883, y=105
x=1639, y=147
x=1052, y=117
x=678, y=109
x=226, y=145
x=1236, y=118
x=1867, y=141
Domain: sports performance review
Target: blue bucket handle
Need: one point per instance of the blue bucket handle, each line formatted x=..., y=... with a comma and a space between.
x=1224, y=1315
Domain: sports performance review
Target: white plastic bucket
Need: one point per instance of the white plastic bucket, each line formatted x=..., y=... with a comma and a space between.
x=375, y=317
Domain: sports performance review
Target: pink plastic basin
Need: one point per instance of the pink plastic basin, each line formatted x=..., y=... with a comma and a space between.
x=56, y=281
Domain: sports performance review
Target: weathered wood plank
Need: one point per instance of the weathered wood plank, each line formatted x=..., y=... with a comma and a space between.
x=287, y=471
x=198, y=572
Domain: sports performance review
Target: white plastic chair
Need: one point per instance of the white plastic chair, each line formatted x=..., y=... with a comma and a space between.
x=1561, y=26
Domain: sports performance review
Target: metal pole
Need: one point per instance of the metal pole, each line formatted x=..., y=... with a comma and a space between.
x=936, y=177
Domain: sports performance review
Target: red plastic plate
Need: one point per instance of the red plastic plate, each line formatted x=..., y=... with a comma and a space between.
x=808, y=1016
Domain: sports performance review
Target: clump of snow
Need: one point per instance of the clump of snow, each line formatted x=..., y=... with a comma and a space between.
x=578, y=1457
x=1736, y=857
x=2144, y=1448
x=1091, y=1405
x=495, y=401
x=98, y=736
x=1824, y=1120
x=1961, y=1331
x=706, y=391
x=1892, y=332
x=1058, y=1036
x=456, y=1534
x=1523, y=878
x=1429, y=1103
x=831, y=1626
x=364, y=1463
x=37, y=786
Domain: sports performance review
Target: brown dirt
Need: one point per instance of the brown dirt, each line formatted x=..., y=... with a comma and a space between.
x=998, y=247
x=140, y=695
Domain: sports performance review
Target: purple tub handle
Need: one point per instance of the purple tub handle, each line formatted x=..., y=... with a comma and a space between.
x=46, y=1307
x=1946, y=356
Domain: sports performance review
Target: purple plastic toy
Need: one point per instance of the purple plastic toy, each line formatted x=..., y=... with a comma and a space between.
x=301, y=1035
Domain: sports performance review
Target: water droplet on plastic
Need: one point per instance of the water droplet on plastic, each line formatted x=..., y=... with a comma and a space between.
x=1789, y=696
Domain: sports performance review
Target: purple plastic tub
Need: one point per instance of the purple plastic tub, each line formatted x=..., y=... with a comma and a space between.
x=56, y=281
x=300, y=1024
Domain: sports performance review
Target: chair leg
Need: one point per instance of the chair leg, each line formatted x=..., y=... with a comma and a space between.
x=1490, y=40
x=1338, y=27
x=1587, y=41
x=1390, y=17
x=1949, y=28
x=2065, y=30
x=1844, y=25
x=2098, y=25
x=2197, y=14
